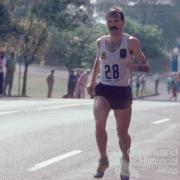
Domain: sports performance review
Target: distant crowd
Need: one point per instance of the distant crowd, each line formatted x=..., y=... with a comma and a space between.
x=139, y=83
x=76, y=83
x=75, y=86
x=77, y=80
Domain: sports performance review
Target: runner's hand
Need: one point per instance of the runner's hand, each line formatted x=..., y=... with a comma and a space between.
x=90, y=88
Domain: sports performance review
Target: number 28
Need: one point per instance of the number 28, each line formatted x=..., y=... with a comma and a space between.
x=114, y=69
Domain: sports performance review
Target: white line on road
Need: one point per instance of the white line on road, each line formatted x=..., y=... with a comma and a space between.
x=54, y=160
x=57, y=107
x=161, y=121
x=8, y=112
x=64, y=106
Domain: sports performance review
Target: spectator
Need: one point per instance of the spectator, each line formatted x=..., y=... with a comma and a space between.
x=9, y=76
x=78, y=73
x=142, y=85
x=137, y=85
x=72, y=80
x=156, y=83
x=2, y=59
x=50, y=83
x=81, y=84
x=169, y=84
x=174, y=91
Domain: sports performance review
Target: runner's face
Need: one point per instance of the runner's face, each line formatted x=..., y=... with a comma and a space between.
x=114, y=24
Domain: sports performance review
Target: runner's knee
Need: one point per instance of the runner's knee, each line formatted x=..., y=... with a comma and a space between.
x=123, y=137
x=100, y=125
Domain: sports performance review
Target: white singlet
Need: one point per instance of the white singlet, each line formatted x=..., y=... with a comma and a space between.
x=113, y=70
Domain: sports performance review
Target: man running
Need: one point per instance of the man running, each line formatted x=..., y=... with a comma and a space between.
x=114, y=63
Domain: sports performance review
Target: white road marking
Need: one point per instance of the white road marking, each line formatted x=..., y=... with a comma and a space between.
x=54, y=160
x=63, y=106
x=60, y=106
x=8, y=112
x=161, y=121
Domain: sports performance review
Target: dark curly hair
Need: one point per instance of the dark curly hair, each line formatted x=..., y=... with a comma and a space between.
x=115, y=12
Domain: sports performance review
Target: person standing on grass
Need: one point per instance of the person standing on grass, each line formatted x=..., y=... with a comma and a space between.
x=50, y=83
x=142, y=85
x=156, y=83
x=1, y=72
x=72, y=80
x=137, y=85
x=115, y=64
x=81, y=85
x=9, y=76
x=169, y=84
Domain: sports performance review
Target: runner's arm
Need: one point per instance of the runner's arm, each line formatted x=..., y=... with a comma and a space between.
x=135, y=48
x=95, y=71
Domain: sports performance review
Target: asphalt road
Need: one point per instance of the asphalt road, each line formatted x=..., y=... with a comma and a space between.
x=54, y=140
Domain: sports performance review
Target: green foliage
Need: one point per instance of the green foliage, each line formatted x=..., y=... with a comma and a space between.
x=70, y=24
x=65, y=14
x=149, y=36
x=151, y=42
x=166, y=17
x=75, y=48
x=5, y=23
x=72, y=29
x=102, y=6
x=33, y=44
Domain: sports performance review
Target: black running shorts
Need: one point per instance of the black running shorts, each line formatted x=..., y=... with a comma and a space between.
x=119, y=97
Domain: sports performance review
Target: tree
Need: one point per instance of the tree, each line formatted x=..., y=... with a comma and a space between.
x=65, y=14
x=34, y=44
x=27, y=34
x=69, y=24
x=75, y=48
x=164, y=14
x=6, y=25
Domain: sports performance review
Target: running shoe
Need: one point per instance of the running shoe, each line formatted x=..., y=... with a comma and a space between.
x=103, y=165
x=124, y=174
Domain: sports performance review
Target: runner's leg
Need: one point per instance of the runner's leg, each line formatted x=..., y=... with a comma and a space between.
x=101, y=111
x=123, y=118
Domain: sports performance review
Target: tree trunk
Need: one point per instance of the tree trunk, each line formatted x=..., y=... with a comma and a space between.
x=25, y=79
